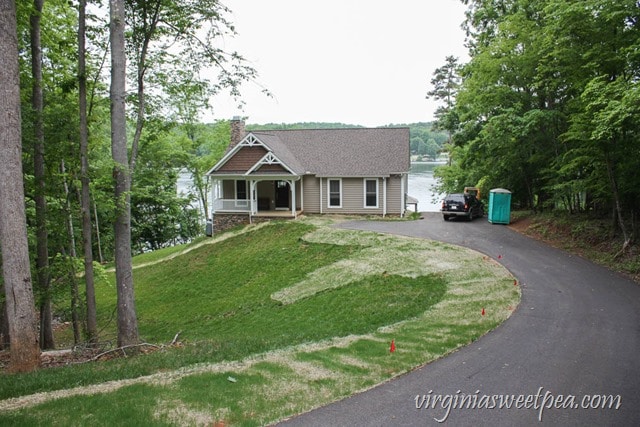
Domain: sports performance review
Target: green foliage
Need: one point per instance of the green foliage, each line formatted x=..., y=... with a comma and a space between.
x=445, y=86
x=203, y=146
x=548, y=104
x=160, y=216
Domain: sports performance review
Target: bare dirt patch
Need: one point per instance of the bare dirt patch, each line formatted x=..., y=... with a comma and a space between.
x=589, y=238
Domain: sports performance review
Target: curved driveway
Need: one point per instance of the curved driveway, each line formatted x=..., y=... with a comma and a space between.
x=576, y=333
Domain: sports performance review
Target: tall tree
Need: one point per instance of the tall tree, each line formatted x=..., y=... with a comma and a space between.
x=604, y=127
x=73, y=282
x=172, y=42
x=42, y=235
x=85, y=196
x=20, y=309
x=127, y=321
x=445, y=85
x=4, y=327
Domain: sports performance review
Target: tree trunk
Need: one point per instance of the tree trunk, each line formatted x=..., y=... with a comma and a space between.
x=95, y=216
x=16, y=269
x=85, y=197
x=4, y=327
x=617, y=205
x=127, y=322
x=42, y=251
x=202, y=187
x=72, y=255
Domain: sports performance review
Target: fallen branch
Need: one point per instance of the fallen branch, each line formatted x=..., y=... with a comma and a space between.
x=122, y=349
x=625, y=248
x=175, y=339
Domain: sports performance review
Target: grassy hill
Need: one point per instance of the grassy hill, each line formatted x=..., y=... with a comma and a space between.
x=274, y=320
x=222, y=294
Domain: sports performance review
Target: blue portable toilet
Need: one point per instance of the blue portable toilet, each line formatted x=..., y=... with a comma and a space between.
x=499, y=206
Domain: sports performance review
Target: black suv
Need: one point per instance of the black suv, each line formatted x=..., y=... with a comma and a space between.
x=461, y=205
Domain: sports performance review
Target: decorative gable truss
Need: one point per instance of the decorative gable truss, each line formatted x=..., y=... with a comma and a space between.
x=251, y=141
x=271, y=160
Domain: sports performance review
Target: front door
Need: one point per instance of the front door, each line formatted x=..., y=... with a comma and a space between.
x=282, y=195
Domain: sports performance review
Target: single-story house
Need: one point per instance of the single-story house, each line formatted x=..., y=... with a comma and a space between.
x=282, y=173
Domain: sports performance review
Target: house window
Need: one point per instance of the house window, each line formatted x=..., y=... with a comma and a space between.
x=335, y=193
x=370, y=193
x=241, y=193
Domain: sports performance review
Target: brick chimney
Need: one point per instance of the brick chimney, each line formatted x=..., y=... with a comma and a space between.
x=237, y=131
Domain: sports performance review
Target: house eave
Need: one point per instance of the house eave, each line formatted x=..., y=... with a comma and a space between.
x=255, y=176
x=352, y=176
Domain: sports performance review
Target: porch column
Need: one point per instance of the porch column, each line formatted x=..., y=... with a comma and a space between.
x=252, y=196
x=214, y=195
x=302, y=193
x=292, y=185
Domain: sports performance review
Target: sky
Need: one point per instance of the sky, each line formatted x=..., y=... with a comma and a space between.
x=362, y=62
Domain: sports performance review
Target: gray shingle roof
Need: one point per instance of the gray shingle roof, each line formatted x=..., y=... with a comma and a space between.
x=352, y=152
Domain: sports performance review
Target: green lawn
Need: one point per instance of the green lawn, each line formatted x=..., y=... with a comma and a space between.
x=273, y=321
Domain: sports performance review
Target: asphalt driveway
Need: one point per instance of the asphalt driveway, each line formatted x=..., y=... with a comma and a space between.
x=573, y=344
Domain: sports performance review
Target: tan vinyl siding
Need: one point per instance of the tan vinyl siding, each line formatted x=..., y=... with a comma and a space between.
x=299, y=195
x=311, y=188
x=352, y=197
x=395, y=198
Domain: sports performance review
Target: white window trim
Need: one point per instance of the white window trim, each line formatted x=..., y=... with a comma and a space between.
x=364, y=191
x=329, y=205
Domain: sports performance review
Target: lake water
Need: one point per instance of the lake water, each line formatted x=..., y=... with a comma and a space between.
x=421, y=182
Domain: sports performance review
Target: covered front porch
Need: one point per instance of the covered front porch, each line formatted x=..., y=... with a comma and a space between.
x=276, y=197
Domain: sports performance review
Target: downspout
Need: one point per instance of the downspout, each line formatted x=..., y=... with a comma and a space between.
x=384, y=197
x=320, y=194
x=402, y=195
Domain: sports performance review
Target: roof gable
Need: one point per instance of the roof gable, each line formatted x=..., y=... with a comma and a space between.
x=248, y=156
x=270, y=159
